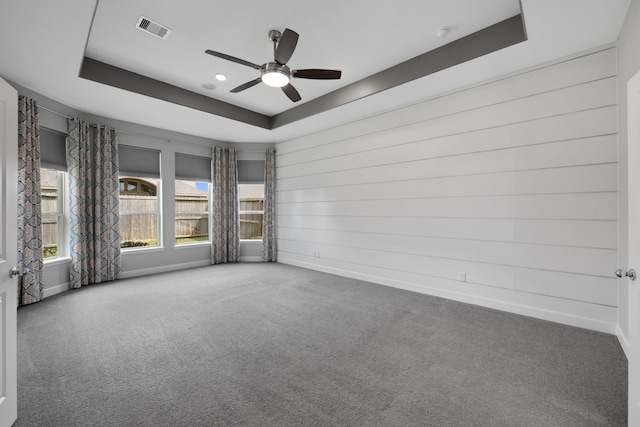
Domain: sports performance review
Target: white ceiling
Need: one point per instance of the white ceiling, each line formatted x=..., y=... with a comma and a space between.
x=42, y=45
x=332, y=35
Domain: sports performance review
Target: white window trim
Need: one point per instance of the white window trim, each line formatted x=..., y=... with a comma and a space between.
x=192, y=244
x=158, y=213
x=61, y=214
x=209, y=205
x=57, y=260
x=143, y=249
x=251, y=212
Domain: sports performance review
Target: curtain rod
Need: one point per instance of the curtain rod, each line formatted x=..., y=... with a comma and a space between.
x=54, y=111
x=169, y=140
x=68, y=117
x=94, y=125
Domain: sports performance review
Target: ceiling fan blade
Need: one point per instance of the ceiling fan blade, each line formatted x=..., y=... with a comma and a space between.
x=291, y=92
x=286, y=46
x=232, y=59
x=247, y=85
x=317, y=74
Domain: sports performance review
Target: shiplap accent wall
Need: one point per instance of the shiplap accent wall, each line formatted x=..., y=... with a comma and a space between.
x=503, y=195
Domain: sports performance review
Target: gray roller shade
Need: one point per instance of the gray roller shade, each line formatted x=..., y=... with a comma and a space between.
x=193, y=168
x=250, y=171
x=53, y=149
x=142, y=162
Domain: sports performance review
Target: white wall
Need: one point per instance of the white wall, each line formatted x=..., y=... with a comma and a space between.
x=513, y=183
x=628, y=66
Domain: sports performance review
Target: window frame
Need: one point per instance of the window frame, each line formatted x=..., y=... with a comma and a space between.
x=157, y=213
x=209, y=210
x=250, y=212
x=62, y=244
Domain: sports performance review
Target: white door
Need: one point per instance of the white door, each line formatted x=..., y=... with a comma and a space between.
x=633, y=92
x=8, y=253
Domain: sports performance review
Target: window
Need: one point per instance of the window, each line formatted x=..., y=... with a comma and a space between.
x=53, y=223
x=251, y=194
x=139, y=212
x=139, y=202
x=251, y=210
x=53, y=177
x=192, y=211
x=193, y=175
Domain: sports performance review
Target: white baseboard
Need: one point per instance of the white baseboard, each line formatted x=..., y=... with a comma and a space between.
x=623, y=340
x=497, y=304
x=55, y=290
x=536, y=312
x=163, y=269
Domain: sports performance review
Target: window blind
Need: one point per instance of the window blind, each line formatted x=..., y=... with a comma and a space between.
x=193, y=168
x=250, y=171
x=136, y=161
x=53, y=149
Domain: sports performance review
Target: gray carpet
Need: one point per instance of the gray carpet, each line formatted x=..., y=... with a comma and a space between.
x=275, y=345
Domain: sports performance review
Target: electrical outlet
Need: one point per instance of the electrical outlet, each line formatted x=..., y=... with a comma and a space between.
x=462, y=276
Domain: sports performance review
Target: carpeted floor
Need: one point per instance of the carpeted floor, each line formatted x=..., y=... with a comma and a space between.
x=275, y=345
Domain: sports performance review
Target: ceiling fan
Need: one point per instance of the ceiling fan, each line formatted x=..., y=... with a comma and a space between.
x=276, y=73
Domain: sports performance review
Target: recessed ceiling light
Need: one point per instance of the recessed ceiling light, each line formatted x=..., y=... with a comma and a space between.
x=221, y=77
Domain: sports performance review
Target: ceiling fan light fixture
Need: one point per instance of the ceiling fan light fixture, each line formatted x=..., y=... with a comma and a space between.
x=275, y=79
x=275, y=75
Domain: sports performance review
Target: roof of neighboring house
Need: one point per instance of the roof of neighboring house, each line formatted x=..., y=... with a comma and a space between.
x=188, y=188
x=251, y=191
x=48, y=178
x=184, y=188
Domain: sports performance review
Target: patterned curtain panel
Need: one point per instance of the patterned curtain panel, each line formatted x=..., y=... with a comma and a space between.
x=92, y=161
x=29, y=202
x=225, y=218
x=269, y=250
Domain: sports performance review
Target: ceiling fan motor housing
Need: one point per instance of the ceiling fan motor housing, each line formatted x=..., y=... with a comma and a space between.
x=274, y=35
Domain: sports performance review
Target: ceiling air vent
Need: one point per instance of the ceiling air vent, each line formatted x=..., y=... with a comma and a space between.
x=154, y=28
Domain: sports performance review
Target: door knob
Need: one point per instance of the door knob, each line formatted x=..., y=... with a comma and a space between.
x=631, y=274
x=15, y=271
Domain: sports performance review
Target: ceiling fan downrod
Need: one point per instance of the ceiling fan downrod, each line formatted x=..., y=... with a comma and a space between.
x=274, y=36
